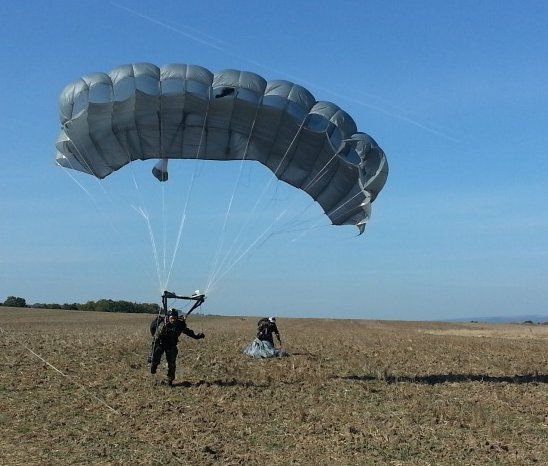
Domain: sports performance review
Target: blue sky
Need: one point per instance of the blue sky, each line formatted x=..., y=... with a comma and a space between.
x=454, y=92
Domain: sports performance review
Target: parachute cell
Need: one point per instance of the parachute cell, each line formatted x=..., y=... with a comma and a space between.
x=140, y=112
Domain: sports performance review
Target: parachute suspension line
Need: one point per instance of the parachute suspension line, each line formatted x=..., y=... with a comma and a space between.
x=94, y=200
x=87, y=166
x=311, y=183
x=82, y=160
x=189, y=192
x=258, y=200
x=132, y=171
x=294, y=221
x=102, y=185
x=164, y=225
x=345, y=202
x=146, y=216
x=164, y=218
x=68, y=377
x=181, y=225
x=140, y=210
x=249, y=248
x=164, y=228
x=100, y=181
x=78, y=183
x=258, y=241
x=179, y=233
x=220, y=241
x=222, y=235
x=316, y=225
x=320, y=174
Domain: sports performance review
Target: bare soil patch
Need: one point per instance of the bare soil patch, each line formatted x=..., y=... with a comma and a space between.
x=353, y=392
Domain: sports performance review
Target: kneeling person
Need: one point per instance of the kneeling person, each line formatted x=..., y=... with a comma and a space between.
x=263, y=345
x=266, y=328
x=167, y=334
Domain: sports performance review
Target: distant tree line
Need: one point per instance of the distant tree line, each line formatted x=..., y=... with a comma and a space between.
x=14, y=301
x=103, y=305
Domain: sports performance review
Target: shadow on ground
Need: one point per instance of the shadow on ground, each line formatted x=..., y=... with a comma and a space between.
x=450, y=378
x=219, y=383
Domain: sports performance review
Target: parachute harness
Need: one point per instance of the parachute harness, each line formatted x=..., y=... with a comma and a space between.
x=197, y=298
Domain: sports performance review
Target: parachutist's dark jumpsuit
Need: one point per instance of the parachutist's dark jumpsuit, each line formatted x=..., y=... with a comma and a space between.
x=166, y=341
x=265, y=331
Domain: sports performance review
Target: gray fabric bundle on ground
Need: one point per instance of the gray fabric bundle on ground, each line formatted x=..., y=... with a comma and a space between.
x=263, y=349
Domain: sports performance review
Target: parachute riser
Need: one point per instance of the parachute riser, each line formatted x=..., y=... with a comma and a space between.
x=198, y=301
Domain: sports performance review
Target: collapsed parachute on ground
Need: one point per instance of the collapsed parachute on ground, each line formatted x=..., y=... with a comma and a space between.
x=140, y=112
x=260, y=349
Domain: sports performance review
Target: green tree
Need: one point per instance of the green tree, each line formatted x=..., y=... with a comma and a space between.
x=14, y=301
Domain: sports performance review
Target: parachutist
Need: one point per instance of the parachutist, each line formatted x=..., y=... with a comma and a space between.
x=263, y=345
x=167, y=329
x=266, y=328
x=166, y=334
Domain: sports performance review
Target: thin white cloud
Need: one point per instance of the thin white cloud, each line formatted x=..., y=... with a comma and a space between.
x=224, y=47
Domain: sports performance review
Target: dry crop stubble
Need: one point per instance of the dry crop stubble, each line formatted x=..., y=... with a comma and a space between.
x=354, y=392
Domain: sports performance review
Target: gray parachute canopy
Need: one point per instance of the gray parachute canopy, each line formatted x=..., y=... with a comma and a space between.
x=140, y=112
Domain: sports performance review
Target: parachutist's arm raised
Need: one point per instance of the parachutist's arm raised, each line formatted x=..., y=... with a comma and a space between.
x=190, y=333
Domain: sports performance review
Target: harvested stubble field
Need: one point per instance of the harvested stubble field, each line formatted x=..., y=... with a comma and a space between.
x=353, y=392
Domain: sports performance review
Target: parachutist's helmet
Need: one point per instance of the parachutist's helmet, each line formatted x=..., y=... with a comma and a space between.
x=272, y=319
x=174, y=313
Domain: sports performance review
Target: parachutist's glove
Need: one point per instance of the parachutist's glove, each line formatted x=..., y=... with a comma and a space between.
x=200, y=336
